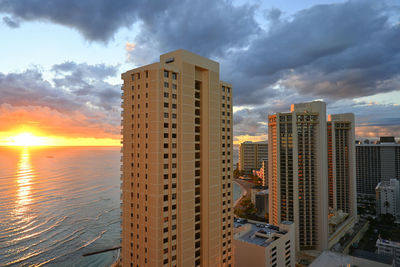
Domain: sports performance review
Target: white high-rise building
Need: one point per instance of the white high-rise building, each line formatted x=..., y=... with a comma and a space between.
x=388, y=197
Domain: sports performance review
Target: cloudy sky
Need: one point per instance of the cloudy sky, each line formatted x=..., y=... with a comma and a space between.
x=60, y=61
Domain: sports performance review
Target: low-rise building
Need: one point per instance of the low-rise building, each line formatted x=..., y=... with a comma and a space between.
x=388, y=198
x=389, y=248
x=258, y=244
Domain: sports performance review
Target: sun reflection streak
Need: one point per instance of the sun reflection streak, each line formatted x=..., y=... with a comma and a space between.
x=24, y=180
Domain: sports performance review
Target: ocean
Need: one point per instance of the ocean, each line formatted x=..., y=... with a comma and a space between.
x=57, y=204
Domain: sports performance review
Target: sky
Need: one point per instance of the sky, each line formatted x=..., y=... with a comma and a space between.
x=60, y=61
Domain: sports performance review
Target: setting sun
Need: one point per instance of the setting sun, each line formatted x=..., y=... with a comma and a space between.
x=27, y=139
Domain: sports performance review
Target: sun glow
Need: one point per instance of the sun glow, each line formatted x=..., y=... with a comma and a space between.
x=27, y=139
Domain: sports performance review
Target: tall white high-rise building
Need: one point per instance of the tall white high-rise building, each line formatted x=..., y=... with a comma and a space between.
x=388, y=198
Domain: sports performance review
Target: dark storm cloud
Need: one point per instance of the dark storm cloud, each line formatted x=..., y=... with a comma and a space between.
x=77, y=87
x=29, y=88
x=207, y=27
x=336, y=51
x=97, y=20
x=11, y=22
x=87, y=82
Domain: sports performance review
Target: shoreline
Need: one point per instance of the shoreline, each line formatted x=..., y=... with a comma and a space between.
x=242, y=195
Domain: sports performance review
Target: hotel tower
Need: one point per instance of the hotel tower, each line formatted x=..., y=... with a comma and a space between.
x=312, y=174
x=298, y=173
x=177, y=164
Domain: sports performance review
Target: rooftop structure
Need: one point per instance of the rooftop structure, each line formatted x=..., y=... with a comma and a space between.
x=259, y=244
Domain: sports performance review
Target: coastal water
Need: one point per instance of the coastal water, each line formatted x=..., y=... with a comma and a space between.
x=57, y=204
x=237, y=192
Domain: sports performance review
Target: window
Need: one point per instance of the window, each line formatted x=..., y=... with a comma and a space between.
x=165, y=125
x=165, y=135
x=174, y=116
x=174, y=76
x=147, y=74
x=138, y=76
x=133, y=77
x=173, y=86
x=166, y=85
x=174, y=96
x=173, y=105
x=166, y=115
x=165, y=166
x=166, y=94
x=166, y=74
x=166, y=105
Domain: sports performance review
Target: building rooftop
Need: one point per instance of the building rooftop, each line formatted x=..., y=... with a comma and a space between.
x=261, y=234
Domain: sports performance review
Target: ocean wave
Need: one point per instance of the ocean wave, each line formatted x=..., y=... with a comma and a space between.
x=93, y=240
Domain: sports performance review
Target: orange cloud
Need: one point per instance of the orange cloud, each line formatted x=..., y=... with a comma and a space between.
x=64, y=127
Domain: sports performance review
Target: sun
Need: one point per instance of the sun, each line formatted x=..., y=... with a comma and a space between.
x=27, y=139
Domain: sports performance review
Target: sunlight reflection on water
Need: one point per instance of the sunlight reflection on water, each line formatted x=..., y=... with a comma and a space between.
x=24, y=180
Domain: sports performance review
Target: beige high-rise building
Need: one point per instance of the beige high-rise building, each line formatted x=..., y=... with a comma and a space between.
x=251, y=155
x=298, y=173
x=177, y=164
x=341, y=175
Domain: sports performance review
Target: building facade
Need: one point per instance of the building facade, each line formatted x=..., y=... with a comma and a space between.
x=341, y=163
x=388, y=198
x=251, y=156
x=341, y=175
x=376, y=162
x=177, y=164
x=298, y=173
x=264, y=245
